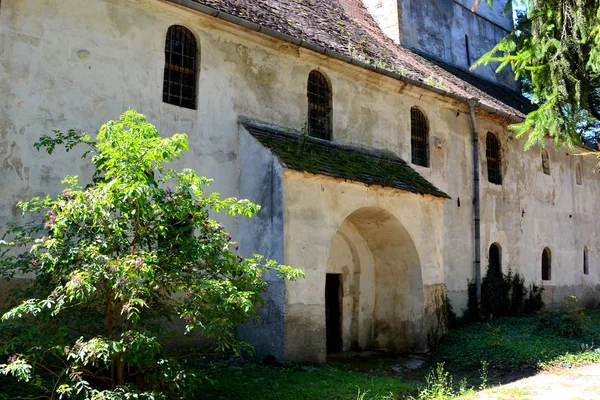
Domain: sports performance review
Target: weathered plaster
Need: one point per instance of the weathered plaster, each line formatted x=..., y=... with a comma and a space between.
x=438, y=28
x=65, y=66
x=390, y=238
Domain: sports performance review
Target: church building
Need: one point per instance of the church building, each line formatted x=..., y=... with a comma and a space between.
x=385, y=168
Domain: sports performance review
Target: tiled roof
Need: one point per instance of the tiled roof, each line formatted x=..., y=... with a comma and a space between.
x=351, y=31
x=372, y=167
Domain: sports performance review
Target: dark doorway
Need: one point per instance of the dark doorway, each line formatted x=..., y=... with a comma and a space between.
x=333, y=312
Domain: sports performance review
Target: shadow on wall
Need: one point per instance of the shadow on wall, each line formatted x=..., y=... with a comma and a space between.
x=379, y=300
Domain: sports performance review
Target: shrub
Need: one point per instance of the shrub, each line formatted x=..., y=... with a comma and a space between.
x=506, y=295
x=116, y=261
x=534, y=301
x=569, y=321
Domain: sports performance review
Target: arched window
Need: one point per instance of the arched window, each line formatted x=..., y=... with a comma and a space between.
x=419, y=137
x=578, y=174
x=319, y=106
x=179, y=82
x=495, y=257
x=545, y=162
x=586, y=267
x=494, y=159
x=546, y=265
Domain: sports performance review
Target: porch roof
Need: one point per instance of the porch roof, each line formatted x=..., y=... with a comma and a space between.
x=301, y=152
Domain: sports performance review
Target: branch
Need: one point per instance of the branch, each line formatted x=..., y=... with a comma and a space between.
x=592, y=108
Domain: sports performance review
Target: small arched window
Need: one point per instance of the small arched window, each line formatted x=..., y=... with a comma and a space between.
x=545, y=162
x=179, y=82
x=586, y=267
x=578, y=174
x=419, y=137
x=495, y=257
x=546, y=265
x=494, y=159
x=319, y=106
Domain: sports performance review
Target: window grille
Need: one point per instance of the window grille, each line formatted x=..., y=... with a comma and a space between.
x=546, y=265
x=494, y=159
x=586, y=268
x=419, y=138
x=545, y=162
x=578, y=174
x=319, y=106
x=495, y=258
x=179, y=84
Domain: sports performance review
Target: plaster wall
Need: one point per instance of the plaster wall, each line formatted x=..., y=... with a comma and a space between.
x=317, y=211
x=439, y=28
x=386, y=15
x=65, y=66
x=260, y=180
x=532, y=210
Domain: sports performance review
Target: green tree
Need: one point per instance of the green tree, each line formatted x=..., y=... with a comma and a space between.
x=555, y=47
x=117, y=261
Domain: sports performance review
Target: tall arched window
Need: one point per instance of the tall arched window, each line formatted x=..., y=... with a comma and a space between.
x=578, y=174
x=546, y=265
x=494, y=159
x=419, y=137
x=495, y=257
x=319, y=106
x=545, y=162
x=179, y=82
x=586, y=267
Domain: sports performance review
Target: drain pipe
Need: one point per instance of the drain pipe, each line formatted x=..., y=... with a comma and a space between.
x=473, y=103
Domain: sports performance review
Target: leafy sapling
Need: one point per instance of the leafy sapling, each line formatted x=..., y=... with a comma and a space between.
x=118, y=260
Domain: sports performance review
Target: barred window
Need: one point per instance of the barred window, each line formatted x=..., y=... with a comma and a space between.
x=319, y=106
x=545, y=162
x=546, y=265
x=495, y=258
x=586, y=267
x=578, y=174
x=494, y=159
x=419, y=138
x=179, y=83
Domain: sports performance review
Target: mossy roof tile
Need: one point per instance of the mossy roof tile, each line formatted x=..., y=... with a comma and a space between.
x=303, y=153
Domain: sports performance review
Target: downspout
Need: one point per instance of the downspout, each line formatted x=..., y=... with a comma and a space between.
x=473, y=103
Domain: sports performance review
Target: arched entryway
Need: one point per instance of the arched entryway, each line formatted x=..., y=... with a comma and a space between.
x=374, y=288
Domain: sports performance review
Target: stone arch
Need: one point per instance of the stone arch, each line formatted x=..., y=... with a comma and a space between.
x=382, y=286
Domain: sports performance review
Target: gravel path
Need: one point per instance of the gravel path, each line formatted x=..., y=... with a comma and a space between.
x=580, y=383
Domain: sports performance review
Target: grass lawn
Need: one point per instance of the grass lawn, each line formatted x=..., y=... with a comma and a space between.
x=301, y=382
x=516, y=344
x=509, y=346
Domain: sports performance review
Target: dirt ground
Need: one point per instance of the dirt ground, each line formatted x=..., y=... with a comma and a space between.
x=565, y=384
